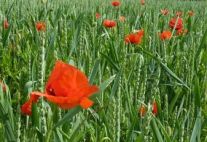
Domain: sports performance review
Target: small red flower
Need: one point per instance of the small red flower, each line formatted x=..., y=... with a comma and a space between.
x=67, y=87
x=179, y=13
x=122, y=19
x=109, y=23
x=142, y=2
x=164, y=11
x=3, y=86
x=116, y=3
x=6, y=24
x=40, y=26
x=154, y=108
x=135, y=38
x=98, y=15
x=165, y=35
x=181, y=32
x=190, y=13
x=176, y=23
x=142, y=110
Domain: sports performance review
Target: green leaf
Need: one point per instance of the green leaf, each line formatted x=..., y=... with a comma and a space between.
x=115, y=85
x=165, y=67
x=199, y=51
x=106, y=83
x=167, y=138
x=196, y=129
x=70, y=114
x=35, y=116
x=156, y=131
x=94, y=71
x=7, y=124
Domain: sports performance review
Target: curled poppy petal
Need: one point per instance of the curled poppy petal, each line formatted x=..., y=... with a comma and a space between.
x=34, y=99
x=26, y=108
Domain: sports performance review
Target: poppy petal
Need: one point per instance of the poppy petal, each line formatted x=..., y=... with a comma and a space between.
x=64, y=79
x=34, y=98
x=86, y=103
x=26, y=108
x=58, y=100
x=91, y=90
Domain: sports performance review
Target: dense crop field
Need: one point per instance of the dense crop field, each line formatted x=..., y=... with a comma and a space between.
x=103, y=71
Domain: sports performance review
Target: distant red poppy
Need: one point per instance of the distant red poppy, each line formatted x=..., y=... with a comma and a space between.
x=122, y=19
x=116, y=3
x=165, y=35
x=3, y=86
x=109, y=23
x=154, y=108
x=67, y=87
x=142, y=110
x=176, y=23
x=181, y=32
x=6, y=24
x=164, y=11
x=98, y=15
x=142, y=2
x=179, y=13
x=135, y=38
x=40, y=26
x=190, y=13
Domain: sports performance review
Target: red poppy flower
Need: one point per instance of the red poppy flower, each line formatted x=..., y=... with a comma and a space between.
x=98, y=15
x=40, y=26
x=116, y=3
x=142, y=110
x=154, y=108
x=176, y=23
x=67, y=87
x=142, y=2
x=165, y=35
x=190, y=13
x=109, y=23
x=179, y=13
x=122, y=19
x=164, y=11
x=6, y=24
x=135, y=38
x=3, y=86
x=181, y=32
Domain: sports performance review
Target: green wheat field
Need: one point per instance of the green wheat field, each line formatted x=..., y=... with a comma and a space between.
x=154, y=90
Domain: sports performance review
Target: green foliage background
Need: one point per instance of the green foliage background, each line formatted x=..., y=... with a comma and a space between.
x=174, y=72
